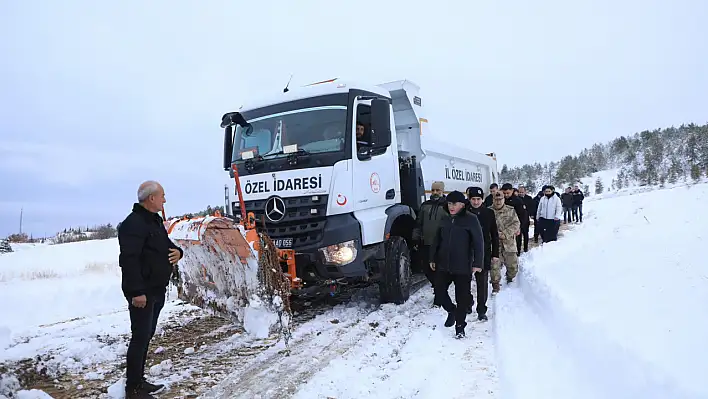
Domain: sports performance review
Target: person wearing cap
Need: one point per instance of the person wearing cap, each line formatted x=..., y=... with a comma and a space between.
x=491, y=248
x=508, y=224
x=550, y=210
x=521, y=212
x=428, y=220
x=457, y=253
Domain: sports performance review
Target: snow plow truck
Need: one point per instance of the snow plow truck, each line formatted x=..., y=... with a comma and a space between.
x=327, y=180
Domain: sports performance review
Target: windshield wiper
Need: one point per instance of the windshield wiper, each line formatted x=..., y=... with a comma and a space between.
x=293, y=157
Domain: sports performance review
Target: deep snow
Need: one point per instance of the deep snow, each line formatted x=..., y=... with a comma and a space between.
x=612, y=310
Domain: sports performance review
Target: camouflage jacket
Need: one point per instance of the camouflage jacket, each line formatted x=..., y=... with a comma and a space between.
x=508, y=224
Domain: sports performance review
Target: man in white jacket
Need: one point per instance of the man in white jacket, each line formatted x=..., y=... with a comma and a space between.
x=548, y=215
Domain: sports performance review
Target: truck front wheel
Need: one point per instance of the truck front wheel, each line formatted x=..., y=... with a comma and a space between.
x=395, y=280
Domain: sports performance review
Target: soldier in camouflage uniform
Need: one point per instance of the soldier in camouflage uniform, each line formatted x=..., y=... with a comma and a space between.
x=508, y=225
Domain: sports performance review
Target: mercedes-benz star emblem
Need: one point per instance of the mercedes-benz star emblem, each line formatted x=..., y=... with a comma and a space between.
x=275, y=209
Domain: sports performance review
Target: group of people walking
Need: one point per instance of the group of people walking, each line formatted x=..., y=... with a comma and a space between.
x=464, y=236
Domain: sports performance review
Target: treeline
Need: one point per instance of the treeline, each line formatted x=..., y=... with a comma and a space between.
x=645, y=158
x=209, y=211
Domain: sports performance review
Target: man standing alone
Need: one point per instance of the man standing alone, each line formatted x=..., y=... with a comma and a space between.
x=147, y=257
x=491, y=248
x=458, y=253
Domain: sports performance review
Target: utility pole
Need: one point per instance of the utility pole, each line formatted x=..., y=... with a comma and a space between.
x=21, y=211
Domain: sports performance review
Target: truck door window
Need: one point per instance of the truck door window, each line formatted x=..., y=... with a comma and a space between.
x=363, y=117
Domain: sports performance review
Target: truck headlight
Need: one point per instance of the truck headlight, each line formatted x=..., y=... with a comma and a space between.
x=340, y=254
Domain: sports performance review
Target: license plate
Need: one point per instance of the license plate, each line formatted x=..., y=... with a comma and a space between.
x=283, y=243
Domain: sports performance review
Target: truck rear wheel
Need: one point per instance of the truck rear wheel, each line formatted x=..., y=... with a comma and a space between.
x=395, y=280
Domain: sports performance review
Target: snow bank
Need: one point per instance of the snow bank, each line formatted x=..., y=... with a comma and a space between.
x=621, y=298
x=74, y=315
x=43, y=262
x=53, y=283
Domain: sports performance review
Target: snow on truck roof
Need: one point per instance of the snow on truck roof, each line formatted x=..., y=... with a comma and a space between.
x=332, y=86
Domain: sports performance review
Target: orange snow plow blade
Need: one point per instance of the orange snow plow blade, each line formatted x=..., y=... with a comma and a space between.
x=224, y=269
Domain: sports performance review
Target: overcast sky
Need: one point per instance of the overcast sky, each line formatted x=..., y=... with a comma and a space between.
x=97, y=96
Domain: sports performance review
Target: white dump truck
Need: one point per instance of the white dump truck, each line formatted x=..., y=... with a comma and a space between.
x=334, y=173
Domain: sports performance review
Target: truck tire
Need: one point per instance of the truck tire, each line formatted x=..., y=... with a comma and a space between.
x=395, y=280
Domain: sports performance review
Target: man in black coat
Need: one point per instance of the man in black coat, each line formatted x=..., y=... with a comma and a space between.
x=491, y=248
x=578, y=198
x=147, y=259
x=536, y=200
x=458, y=252
x=520, y=208
x=567, y=202
x=531, y=206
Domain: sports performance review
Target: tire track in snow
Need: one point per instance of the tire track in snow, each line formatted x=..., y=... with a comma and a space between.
x=314, y=345
x=416, y=358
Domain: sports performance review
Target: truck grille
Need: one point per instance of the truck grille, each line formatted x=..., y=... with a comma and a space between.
x=304, y=219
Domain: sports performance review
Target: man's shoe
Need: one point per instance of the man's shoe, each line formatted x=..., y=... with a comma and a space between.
x=152, y=388
x=482, y=317
x=450, y=321
x=137, y=393
x=459, y=332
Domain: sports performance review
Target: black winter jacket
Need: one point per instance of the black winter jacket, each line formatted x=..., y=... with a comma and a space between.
x=520, y=209
x=144, y=253
x=490, y=231
x=459, y=244
x=531, y=205
x=567, y=200
x=578, y=197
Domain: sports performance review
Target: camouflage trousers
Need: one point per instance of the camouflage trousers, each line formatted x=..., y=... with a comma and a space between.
x=508, y=259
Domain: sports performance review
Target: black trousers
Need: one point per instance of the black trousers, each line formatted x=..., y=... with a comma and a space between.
x=578, y=212
x=523, y=238
x=424, y=251
x=463, y=296
x=567, y=214
x=482, y=280
x=143, y=322
x=549, y=229
x=536, y=229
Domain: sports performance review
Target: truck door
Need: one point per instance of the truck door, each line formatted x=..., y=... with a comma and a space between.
x=375, y=184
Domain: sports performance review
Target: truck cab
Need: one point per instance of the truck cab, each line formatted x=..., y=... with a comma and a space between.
x=344, y=200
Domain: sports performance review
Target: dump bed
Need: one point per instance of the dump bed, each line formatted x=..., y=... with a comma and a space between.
x=452, y=163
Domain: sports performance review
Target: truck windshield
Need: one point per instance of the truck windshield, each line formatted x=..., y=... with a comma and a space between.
x=314, y=130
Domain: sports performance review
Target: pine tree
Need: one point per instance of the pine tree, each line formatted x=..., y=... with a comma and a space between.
x=598, y=186
x=695, y=172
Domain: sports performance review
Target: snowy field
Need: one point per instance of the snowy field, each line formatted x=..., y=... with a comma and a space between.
x=612, y=310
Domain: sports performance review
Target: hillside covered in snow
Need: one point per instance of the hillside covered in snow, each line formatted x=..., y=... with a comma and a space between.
x=671, y=155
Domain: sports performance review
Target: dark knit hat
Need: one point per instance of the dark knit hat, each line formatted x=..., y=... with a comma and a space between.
x=475, y=192
x=455, y=196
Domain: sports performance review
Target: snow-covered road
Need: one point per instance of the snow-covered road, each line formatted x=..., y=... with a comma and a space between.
x=612, y=310
x=373, y=351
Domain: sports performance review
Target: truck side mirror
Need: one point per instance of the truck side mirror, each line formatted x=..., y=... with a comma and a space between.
x=228, y=146
x=380, y=123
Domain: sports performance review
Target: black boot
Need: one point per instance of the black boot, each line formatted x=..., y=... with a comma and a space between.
x=459, y=331
x=450, y=321
x=482, y=317
x=152, y=388
x=137, y=393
